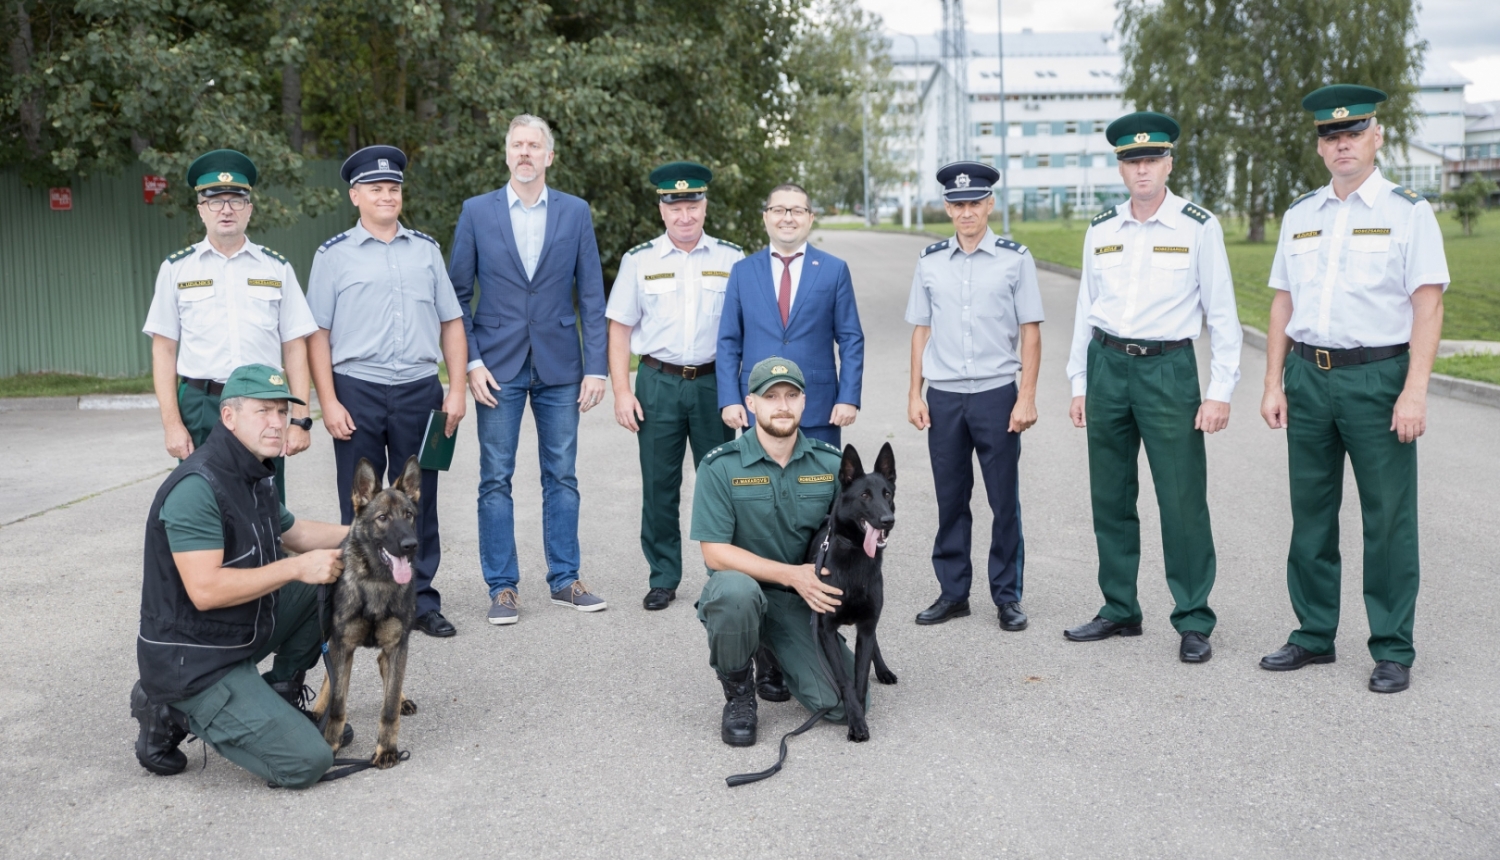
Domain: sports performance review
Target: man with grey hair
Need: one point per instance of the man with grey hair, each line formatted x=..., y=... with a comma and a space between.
x=530, y=252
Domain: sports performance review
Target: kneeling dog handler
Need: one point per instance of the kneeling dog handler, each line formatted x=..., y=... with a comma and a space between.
x=759, y=500
x=219, y=596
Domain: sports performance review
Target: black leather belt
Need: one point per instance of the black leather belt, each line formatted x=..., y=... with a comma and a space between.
x=207, y=386
x=1140, y=347
x=1328, y=359
x=684, y=371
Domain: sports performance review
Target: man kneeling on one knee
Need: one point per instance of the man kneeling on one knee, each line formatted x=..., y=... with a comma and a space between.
x=219, y=596
x=757, y=504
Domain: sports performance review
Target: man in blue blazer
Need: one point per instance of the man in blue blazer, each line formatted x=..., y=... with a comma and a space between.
x=794, y=301
x=530, y=251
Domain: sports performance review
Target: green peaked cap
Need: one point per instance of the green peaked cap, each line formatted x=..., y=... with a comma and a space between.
x=222, y=168
x=1143, y=134
x=681, y=180
x=1342, y=107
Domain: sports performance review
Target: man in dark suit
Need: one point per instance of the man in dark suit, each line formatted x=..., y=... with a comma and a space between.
x=794, y=301
x=530, y=251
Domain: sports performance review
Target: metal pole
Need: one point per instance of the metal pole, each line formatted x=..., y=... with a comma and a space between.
x=864, y=145
x=1004, y=127
x=916, y=53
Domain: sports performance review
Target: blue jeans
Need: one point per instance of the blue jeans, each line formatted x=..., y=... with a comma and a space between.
x=555, y=410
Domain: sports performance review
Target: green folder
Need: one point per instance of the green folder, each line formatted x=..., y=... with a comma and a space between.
x=437, y=448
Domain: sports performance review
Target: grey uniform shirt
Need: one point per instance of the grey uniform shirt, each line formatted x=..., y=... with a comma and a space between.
x=383, y=304
x=975, y=304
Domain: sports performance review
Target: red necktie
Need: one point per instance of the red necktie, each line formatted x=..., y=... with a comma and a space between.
x=784, y=295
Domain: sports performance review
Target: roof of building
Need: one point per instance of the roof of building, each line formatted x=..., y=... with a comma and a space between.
x=1482, y=116
x=1098, y=75
x=1077, y=43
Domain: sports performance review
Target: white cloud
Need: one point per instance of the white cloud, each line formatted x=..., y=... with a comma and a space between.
x=1485, y=74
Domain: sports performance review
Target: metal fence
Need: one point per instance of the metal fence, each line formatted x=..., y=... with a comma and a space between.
x=75, y=285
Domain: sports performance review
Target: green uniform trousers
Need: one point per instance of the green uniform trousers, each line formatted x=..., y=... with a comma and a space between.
x=741, y=615
x=245, y=721
x=200, y=412
x=1331, y=413
x=678, y=412
x=1151, y=399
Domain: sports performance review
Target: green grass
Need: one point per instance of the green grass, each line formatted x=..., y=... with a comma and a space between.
x=70, y=385
x=1484, y=368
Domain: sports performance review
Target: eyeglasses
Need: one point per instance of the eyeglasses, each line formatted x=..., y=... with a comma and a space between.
x=783, y=211
x=217, y=204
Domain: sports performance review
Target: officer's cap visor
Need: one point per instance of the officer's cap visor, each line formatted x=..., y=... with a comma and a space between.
x=1144, y=152
x=684, y=197
x=221, y=190
x=964, y=195
x=1331, y=128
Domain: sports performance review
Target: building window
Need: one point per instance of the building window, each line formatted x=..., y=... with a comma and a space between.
x=1070, y=128
x=986, y=129
x=987, y=159
x=1016, y=162
x=1044, y=128
x=1070, y=161
x=1015, y=129
x=1044, y=161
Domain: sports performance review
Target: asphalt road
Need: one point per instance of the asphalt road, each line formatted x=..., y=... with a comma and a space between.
x=577, y=735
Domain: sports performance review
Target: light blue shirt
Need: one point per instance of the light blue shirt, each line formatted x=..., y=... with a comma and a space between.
x=529, y=224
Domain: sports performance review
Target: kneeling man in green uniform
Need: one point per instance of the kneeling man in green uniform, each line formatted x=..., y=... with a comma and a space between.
x=219, y=596
x=758, y=501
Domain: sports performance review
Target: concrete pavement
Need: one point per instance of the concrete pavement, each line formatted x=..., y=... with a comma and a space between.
x=574, y=735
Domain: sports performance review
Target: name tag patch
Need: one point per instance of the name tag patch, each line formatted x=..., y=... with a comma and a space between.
x=1373, y=231
x=708, y=274
x=1307, y=235
x=815, y=479
x=1169, y=249
x=661, y=275
x=188, y=285
x=264, y=282
x=1108, y=249
x=751, y=482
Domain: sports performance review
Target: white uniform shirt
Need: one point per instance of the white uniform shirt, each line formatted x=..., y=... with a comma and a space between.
x=225, y=312
x=672, y=299
x=796, y=267
x=1352, y=265
x=1158, y=280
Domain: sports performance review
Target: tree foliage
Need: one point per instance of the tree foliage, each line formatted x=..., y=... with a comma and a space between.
x=1469, y=200
x=1234, y=72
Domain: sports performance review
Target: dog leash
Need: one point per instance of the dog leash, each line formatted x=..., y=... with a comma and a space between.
x=812, y=619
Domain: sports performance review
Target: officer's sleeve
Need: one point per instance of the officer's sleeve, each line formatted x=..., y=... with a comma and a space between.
x=191, y=516
x=919, y=303
x=1425, y=261
x=1078, y=353
x=713, y=511
x=1027, y=294
x=296, y=318
x=287, y=520
x=162, y=318
x=1279, y=279
x=322, y=292
x=624, y=297
x=443, y=294
x=1216, y=294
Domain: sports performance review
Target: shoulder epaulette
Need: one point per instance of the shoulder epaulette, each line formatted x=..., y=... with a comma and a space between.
x=731, y=245
x=1304, y=197
x=420, y=235
x=1407, y=194
x=334, y=241
x=275, y=255
x=935, y=247
x=1002, y=242
x=1196, y=213
x=641, y=247
x=826, y=446
x=178, y=255
x=715, y=453
x=1104, y=216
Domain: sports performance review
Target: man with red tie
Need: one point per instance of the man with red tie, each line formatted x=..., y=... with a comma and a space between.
x=794, y=301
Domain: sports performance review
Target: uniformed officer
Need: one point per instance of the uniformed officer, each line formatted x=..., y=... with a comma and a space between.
x=757, y=503
x=665, y=307
x=220, y=304
x=1359, y=274
x=1153, y=268
x=977, y=342
x=386, y=316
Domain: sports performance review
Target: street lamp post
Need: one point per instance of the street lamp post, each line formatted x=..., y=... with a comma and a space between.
x=916, y=54
x=864, y=126
x=1004, y=127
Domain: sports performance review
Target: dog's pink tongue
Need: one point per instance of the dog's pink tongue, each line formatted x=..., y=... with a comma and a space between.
x=401, y=568
x=872, y=535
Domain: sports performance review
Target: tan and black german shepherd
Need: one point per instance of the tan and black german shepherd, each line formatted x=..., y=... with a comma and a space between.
x=374, y=603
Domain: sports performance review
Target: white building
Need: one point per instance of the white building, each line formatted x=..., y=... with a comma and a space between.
x=1438, y=139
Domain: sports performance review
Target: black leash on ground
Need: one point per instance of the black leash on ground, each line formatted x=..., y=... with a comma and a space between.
x=747, y=778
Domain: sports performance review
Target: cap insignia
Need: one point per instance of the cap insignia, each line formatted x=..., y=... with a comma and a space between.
x=276, y=379
x=780, y=368
x=1340, y=112
x=962, y=181
x=226, y=177
x=1142, y=137
x=682, y=184
x=385, y=163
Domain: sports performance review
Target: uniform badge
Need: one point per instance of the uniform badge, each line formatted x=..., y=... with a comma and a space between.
x=1143, y=137
x=276, y=379
x=226, y=177
x=780, y=368
x=682, y=184
x=1340, y=112
x=962, y=181
x=385, y=163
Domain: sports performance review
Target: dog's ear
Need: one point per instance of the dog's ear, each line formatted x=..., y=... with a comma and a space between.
x=366, y=485
x=410, y=481
x=885, y=463
x=851, y=469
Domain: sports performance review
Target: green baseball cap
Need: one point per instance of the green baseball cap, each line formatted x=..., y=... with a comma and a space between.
x=770, y=371
x=259, y=382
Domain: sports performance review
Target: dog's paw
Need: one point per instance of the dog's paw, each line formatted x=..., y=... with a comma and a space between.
x=859, y=732
x=408, y=707
x=885, y=676
x=386, y=758
x=333, y=735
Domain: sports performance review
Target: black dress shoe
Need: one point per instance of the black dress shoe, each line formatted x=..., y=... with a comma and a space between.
x=738, y=725
x=1390, y=677
x=1101, y=628
x=942, y=610
x=658, y=598
x=769, y=683
x=1195, y=648
x=1289, y=657
x=434, y=624
x=1011, y=617
x=162, y=730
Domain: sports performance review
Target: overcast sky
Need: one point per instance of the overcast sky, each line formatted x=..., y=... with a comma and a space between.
x=1462, y=33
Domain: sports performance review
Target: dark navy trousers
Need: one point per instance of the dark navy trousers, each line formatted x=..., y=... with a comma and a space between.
x=962, y=425
x=389, y=422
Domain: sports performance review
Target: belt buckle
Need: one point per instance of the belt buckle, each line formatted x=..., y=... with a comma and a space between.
x=1134, y=349
x=689, y=372
x=1323, y=359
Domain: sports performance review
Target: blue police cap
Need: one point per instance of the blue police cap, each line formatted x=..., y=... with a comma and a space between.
x=967, y=180
x=374, y=164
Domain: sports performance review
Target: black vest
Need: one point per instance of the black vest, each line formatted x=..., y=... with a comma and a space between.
x=182, y=650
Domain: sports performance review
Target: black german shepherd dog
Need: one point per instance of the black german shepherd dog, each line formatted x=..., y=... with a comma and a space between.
x=863, y=514
x=374, y=602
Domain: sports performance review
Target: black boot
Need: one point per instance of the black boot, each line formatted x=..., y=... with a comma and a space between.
x=298, y=695
x=161, y=732
x=738, y=729
x=768, y=680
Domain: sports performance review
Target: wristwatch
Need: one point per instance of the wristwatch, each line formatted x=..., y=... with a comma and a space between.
x=304, y=423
